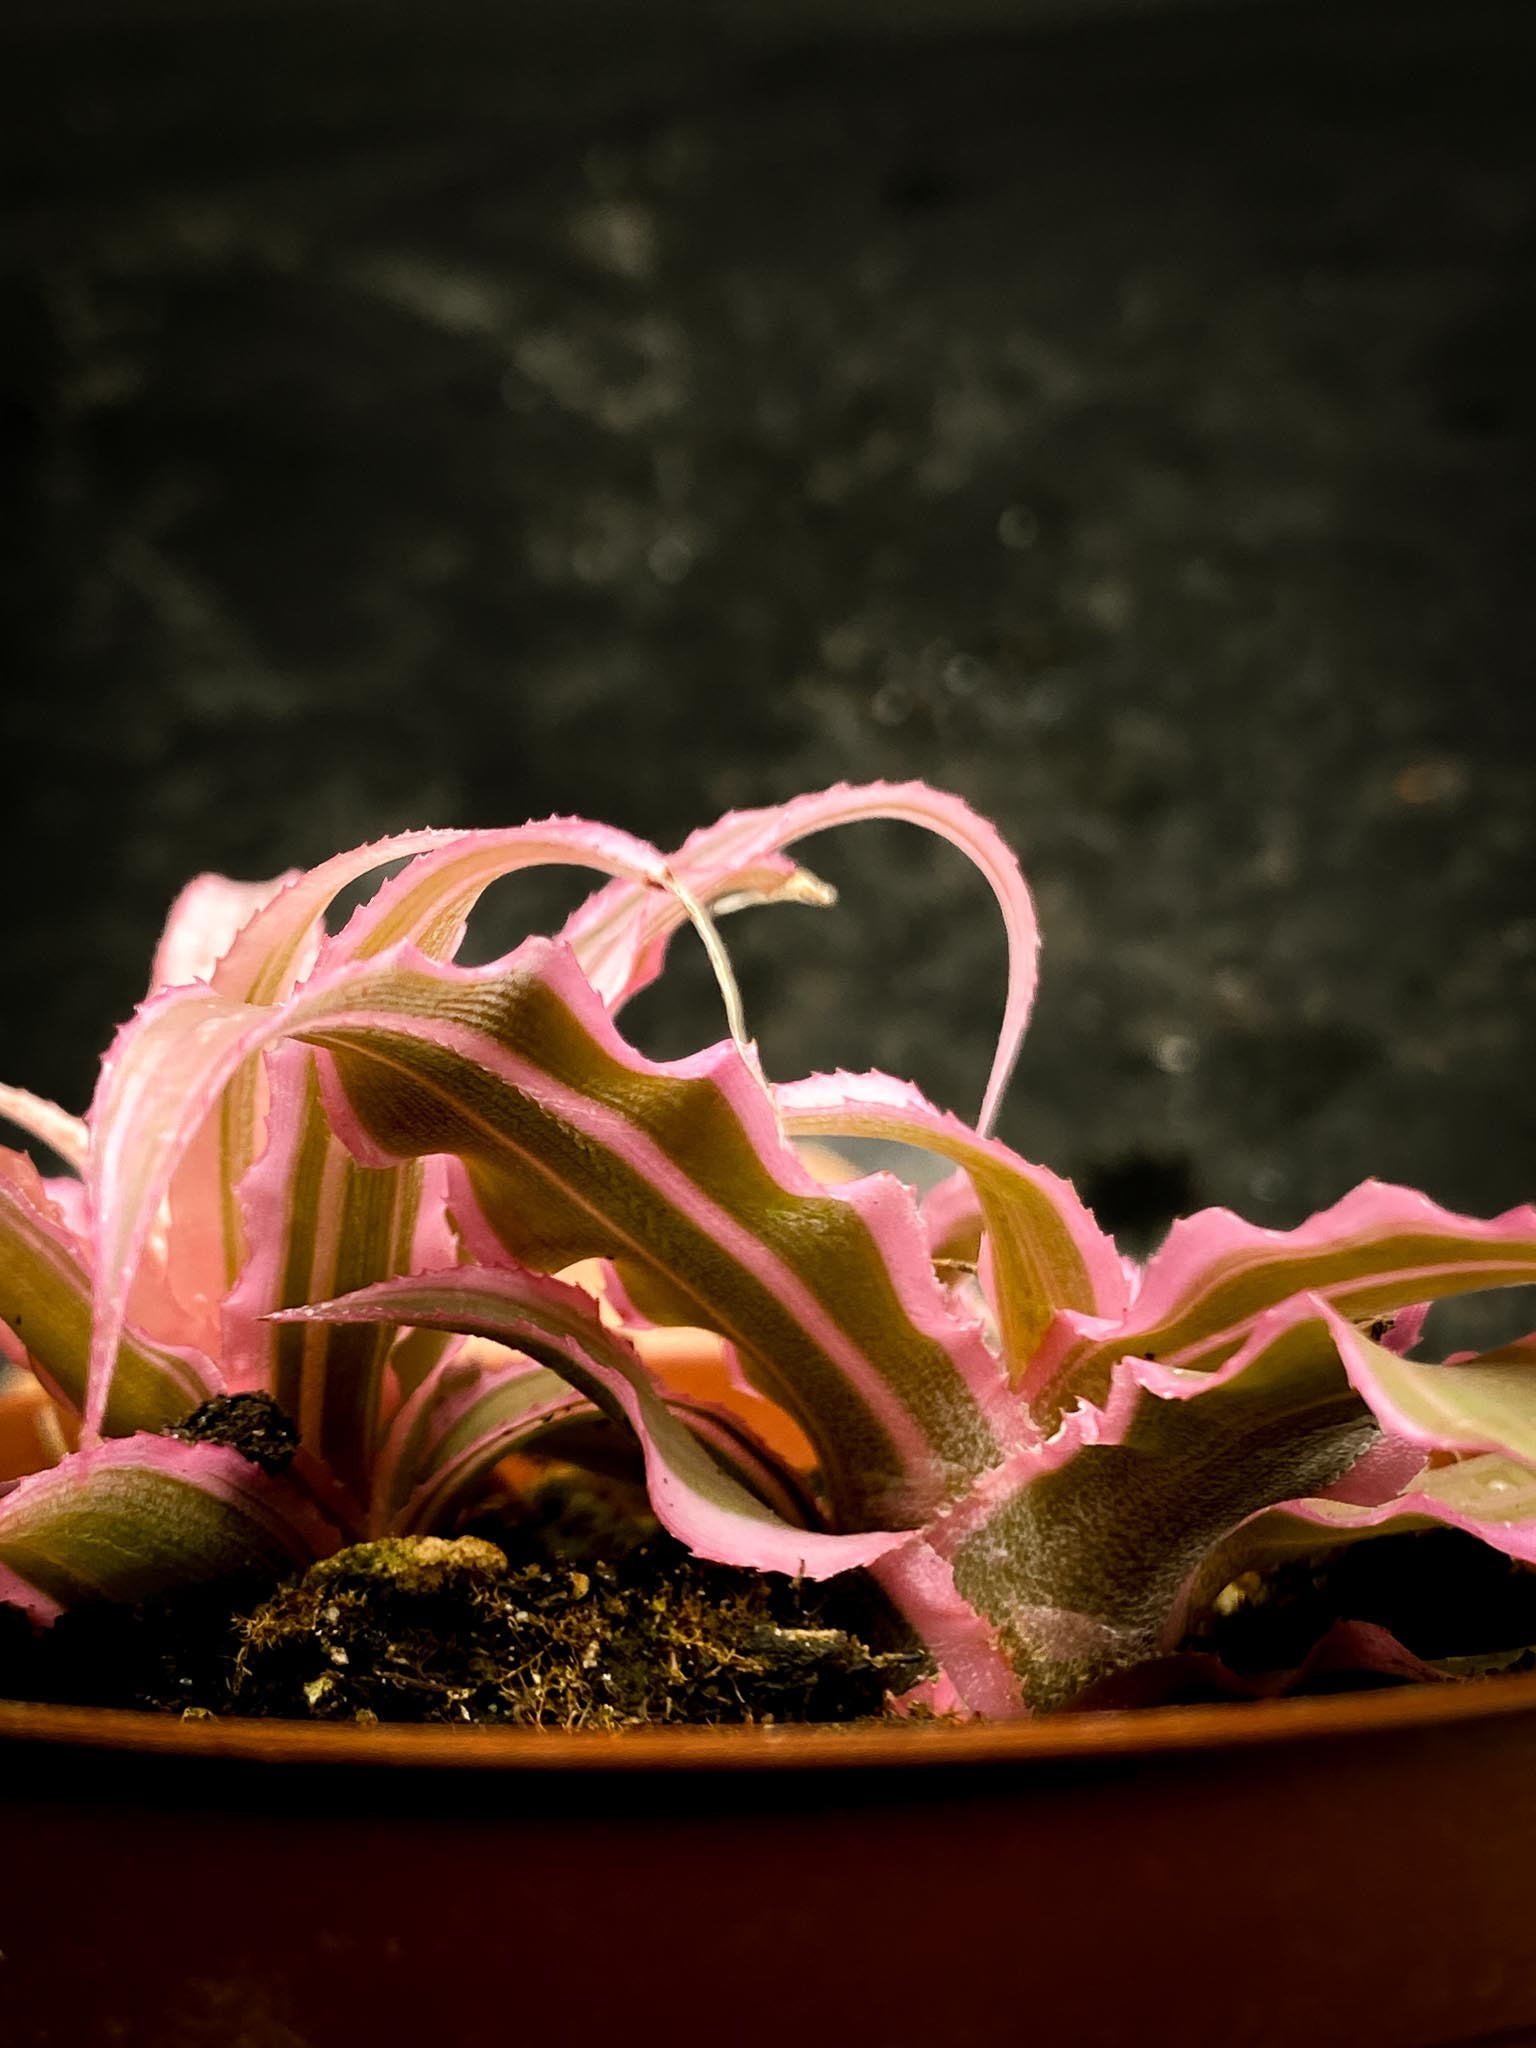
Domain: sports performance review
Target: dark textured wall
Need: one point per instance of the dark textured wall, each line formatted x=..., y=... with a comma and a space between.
x=448, y=415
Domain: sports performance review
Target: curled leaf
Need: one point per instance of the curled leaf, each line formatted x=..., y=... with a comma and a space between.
x=620, y=942
x=559, y=1327
x=1380, y=1250
x=1046, y=1251
x=467, y=1414
x=572, y=1145
x=204, y=922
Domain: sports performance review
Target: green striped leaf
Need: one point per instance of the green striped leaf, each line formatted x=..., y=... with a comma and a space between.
x=695, y=1497
x=467, y=1414
x=45, y=1300
x=1077, y=1555
x=1485, y=1403
x=1044, y=1250
x=320, y=1224
x=145, y=1514
x=572, y=1145
x=1379, y=1250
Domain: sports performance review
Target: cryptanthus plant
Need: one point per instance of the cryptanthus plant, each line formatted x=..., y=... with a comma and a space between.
x=432, y=1208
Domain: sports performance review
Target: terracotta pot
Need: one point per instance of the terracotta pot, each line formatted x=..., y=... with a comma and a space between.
x=1353, y=1870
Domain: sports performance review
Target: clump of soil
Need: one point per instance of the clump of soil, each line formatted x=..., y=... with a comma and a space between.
x=431, y=1629
x=252, y=1424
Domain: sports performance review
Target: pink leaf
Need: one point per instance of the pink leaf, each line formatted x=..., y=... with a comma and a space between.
x=162, y=1078
x=278, y=945
x=1488, y=1493
x=467, y=1414
x=320, y=1225
x=576, y=1146
x=1077, y=1551
x=435, y=1245
x=1485, y=1403
x=976, y=1672
x=1485, y=1495
x=1405, y=1329
x=45, y=1300
x=428, y=903
x=619, y=941
x=142, y=1514
x=204, y=922
x=1377, y=1252
x=178, y=1112
x=54, y=1127
x=266, y=936
x=1046, y=1251
x=559, y=1326
x=1163, y=1497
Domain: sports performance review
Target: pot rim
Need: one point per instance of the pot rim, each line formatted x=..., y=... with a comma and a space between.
x=1123, y=1733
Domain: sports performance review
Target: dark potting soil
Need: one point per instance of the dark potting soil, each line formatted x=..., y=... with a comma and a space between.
x=1461, y=1606
x=465, y=1629
x=438, y=1629
x=252, y=1424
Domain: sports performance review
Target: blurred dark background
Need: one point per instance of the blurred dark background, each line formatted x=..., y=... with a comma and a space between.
x=447, y=413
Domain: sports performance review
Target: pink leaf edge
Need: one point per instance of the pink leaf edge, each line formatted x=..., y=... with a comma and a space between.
x=694, y=1499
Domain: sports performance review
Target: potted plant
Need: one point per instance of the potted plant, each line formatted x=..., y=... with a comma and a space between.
x=299, y=1292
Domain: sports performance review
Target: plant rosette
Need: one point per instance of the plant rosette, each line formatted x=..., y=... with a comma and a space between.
x=428, y=1210
x=414, y=1217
